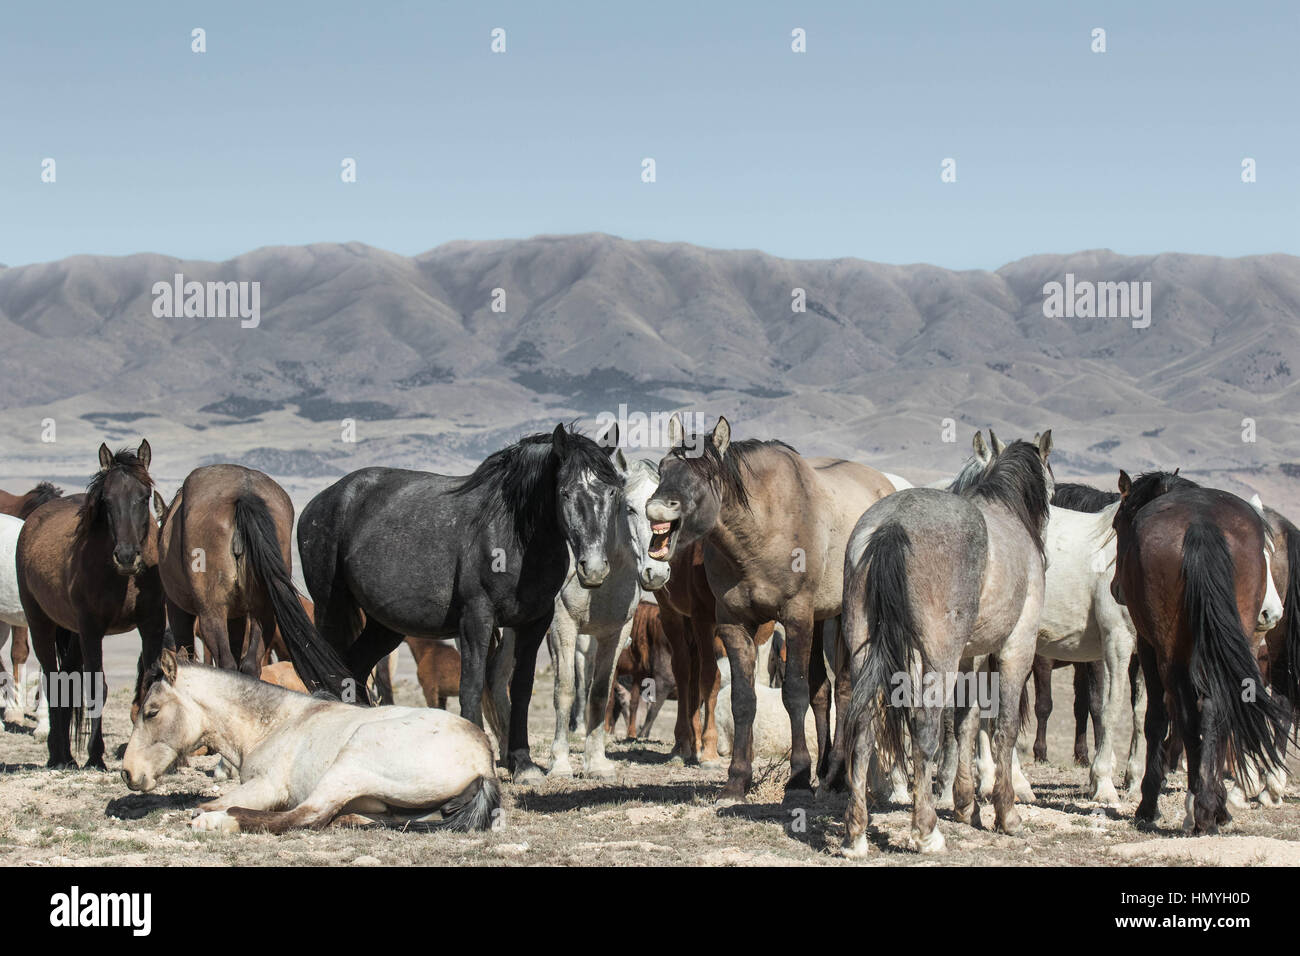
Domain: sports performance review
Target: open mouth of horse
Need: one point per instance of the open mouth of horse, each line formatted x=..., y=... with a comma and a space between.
x=662, y=535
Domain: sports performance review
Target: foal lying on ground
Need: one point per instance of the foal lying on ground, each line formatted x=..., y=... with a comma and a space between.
x=304, y=761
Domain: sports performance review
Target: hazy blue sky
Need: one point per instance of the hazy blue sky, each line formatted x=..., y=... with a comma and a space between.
x=834, y=152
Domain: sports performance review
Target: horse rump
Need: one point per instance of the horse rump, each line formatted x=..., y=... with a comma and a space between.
x=316, y=662
x=1222, y=665
x=894, y=641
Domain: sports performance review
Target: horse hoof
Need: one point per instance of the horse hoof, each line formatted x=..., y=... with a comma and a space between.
x=1025, y=794
x=932, y=842
x=726, y=799
x=944, y=801
x=531, y=775
x=711, y=764
x=801, y=796
x=1237, y=799
x=1010, y=824
x=964, y=814
x=560, y=770
x=1105, y=793
x=602, y=771
x=215, y=821
x=13, y=715
x=676, y=760
x=856, y=850
x=1269, y=800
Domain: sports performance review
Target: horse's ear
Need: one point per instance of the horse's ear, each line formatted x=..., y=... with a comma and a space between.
x=105, y=457
x=560, y=441
x=676, y=433
x=1044, y=443
x=609, y=440
x=998, y=447
x=980, y=448
x=1125, y=483
x=620, y=461
x=167, y=659
x=144, y=453
x=159, y=506
x=722, y=435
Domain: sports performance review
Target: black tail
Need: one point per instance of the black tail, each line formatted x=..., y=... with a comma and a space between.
x=893, y=639
x=318, y=664
x=1223, y=669
x=1290, y=677
x=474, y=808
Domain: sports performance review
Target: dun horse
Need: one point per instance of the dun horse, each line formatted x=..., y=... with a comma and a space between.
x=88, y=566
x=431, y=555
x=774, y=526
x=304, y=762
x=1192, y=566
x=931, y=580
x=225, y=555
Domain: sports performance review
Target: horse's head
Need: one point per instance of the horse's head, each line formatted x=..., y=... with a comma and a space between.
x=1134, y=495
x=686, y=505
x=119, y=495
x=642, y=480
x=589, y=491
x=168, y=725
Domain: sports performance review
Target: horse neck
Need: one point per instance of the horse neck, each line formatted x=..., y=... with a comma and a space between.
x=739, y=531
x=238, y=715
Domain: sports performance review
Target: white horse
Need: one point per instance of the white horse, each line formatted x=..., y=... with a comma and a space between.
x=304, y=761
x=15, y=687
x=604, y=616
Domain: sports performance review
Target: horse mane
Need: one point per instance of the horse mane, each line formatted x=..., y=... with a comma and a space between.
x=90, y=510
x=520, y=481
x=1014, y=479
x=966, y=478
x=1148, y=486
x=729, y=470
x=43, y=492
x=1077, y=497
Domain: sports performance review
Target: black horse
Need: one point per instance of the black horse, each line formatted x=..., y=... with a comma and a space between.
x=430, y=555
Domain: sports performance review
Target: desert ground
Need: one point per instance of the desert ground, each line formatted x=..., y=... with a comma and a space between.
x=653, y=814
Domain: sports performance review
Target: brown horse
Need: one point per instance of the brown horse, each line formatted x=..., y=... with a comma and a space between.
x=88, y=566
x=20, y=506
x=437, y=668
x=647, y=663
x=225, y=556
x=1192, y=567
x=686, y=613
x=1088, y=679
x=774, y=526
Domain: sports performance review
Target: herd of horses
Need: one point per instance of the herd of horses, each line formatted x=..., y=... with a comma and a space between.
x=891, y=602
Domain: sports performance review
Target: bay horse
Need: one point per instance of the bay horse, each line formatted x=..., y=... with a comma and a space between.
x=88, y=566
x=774, y=526
x=604, y=615
x=1192, y=567
x=427, y=555
x=20, y=506
x=437, y=668
x=303, y=761
x=933, y=579
x=647, y=663
x=225, y=557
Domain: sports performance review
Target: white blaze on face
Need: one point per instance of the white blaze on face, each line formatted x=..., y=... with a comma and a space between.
x=1271, y=611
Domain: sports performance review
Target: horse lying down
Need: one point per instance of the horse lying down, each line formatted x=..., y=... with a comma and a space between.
x=305, y=761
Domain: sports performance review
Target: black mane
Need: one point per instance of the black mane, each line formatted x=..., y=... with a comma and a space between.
x=728, y=471
x=124, y=460
x=1077, y=497
x=1015, y=480
x=520, y=480
x=43, y=492
x=1148, y=486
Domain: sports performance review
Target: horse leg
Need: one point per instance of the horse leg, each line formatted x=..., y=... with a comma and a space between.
x=739, y=642
x=1082, y=706
x=608, y=645
x=95, y=693
x=1137, y=705
x=1117, y=651
x=564, y=632
x=820, y=689
x=1156, y=726
x=182, y=624
x=1015, y=660
x=496, y=697
x=856, y=815
x=1042, y=705
x=12, y=687
x=926, y=727
x=43, y=635
x=19, y=655
x=216, y=638
x=682, y=662
x=581, y=685
x=704, y=695
x=794, y=694
x=948, y=763
x=834, y=779
x=476, y=627
x=1096, y=697
x=374, y=643
x=966, y=721
x=528, y=638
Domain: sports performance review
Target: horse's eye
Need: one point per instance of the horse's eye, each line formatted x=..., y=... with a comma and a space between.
x=151, y=714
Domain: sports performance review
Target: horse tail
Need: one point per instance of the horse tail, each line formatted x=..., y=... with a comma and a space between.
x=894, y=641
x=317, y=663
x=474, y=808
x=1222, y=665
x=1290, y=676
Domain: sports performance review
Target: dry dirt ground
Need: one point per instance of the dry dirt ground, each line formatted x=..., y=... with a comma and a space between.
x=654, y=814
